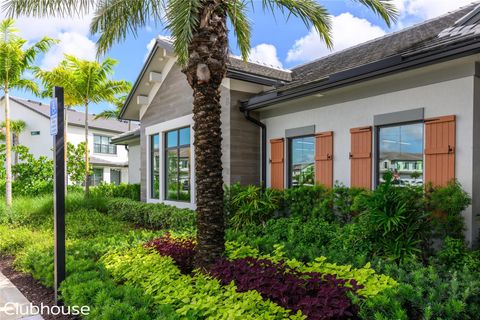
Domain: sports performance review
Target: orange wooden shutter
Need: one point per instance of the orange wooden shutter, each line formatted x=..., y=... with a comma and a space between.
x=361, y=158
x=440, y=150
x=277, y=164
x=324, y=158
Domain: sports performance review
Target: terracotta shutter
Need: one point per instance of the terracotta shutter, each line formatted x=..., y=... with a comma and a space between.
x=440, y=150
x=277, y=164
x=324, y=158
x=361, y=158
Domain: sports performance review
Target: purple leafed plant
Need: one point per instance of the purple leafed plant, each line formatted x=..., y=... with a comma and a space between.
x=182, y=251
x=317, y=296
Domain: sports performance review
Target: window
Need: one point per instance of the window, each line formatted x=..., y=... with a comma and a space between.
x=155, y=166
x=115, y=176
x=103, y=144
x=302, y=161
x=400, y=150
x=96, y=177
x=177, y=164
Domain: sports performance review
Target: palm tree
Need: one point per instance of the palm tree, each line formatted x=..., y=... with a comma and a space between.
x=200, y=41
x=16, y=127
x=15, y=59
x=114, y=113
x=85, y=82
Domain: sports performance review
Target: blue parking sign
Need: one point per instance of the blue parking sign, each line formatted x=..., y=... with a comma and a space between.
x=53, y=117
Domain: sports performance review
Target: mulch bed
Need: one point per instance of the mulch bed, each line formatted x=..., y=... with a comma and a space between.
x=33, y=290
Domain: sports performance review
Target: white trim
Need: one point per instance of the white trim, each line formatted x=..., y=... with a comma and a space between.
x=160, y=129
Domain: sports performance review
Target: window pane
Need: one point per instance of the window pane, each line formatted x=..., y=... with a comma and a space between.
x=155, y=166
x=172, y=139
x=96, y=139
x=115, y=176
x=302, y=161
x=401, y=152
x=96, y=148
x=185, y=136
x=171, y=168
x=184, y=174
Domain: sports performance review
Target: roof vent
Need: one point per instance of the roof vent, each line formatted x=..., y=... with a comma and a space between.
x=473, y=17
x=33, y=101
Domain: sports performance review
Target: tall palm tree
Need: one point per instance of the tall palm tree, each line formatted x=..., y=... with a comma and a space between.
x=200, y=41
x=85, y=82
x=15, y=59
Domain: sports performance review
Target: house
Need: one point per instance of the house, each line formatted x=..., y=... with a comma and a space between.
x=410, y=99
x=109, y=161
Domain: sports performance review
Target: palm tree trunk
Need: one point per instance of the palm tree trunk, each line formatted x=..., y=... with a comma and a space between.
x=87, y=158
x=8, y=151
x=208, y=54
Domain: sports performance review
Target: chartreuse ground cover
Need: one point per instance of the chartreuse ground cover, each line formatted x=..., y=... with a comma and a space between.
x=311, y=253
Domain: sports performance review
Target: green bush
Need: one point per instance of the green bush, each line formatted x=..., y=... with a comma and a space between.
x=250, y=205
x=425, y=293
x=395, y=220
x=152, y=215
x=309, y=202
x=123, y=190
x=446, y=205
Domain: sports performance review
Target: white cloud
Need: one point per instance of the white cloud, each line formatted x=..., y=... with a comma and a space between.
x=72, y=43
x=266, y=54
x=149, y=47
x=428, y=9
x=347, y=31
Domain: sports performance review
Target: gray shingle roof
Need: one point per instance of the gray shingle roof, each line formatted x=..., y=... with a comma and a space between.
x=403, y=41
x=77, y=118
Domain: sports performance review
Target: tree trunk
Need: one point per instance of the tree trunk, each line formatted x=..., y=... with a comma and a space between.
x=208, y=54
x=87, y=158
x=8, y=152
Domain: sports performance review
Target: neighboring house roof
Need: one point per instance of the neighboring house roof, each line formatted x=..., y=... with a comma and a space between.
x=76, y=118
x=401, y=156
x=458, y=30
x=95, y=161
x=127, y=137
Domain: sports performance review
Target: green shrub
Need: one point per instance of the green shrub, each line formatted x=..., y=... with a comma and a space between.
x=123, y=190
x=343, y=201
x=425, y=293
x=395, y=220
x=310, y=202
x=446, y=205
x=152, y=215
x=454, y=255
x=192, y=297
x=251, y=205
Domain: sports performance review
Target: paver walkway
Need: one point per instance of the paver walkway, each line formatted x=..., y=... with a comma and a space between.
x=10, y=294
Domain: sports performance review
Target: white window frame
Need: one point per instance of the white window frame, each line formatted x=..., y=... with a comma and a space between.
x=161, y=129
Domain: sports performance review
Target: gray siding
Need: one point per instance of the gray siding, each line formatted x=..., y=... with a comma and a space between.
x=173, y=100
x=245, y=144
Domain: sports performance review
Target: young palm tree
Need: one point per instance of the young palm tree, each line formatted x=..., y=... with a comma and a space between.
x=16, y=128
x=199, y=30
x=15, y=59
x=85, y=82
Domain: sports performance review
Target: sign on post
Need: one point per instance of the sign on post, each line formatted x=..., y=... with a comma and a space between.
x=53, y=117
x=57, y=129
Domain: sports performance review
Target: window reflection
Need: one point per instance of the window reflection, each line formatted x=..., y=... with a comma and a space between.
x=155, y=166
x=401, y=152
x=302, y=162
x=177, y=168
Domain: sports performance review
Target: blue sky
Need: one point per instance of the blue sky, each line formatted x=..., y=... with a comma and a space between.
x=275, y=41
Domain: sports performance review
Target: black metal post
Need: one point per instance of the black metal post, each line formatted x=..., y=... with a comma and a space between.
x=59, y=193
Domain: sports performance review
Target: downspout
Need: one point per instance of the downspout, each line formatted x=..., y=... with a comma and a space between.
x=263, y=127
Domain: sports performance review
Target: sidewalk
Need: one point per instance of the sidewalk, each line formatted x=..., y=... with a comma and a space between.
x=10, y=294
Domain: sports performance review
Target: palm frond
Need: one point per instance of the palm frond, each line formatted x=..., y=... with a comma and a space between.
x=309, y=11
x=384, y=8
x=183, y=19
x=115, y=19
x=42, y=8
x=25, y=84
x=108, y=114
x=237, y=13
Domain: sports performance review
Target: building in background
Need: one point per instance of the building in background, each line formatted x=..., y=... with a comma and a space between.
x=109, y=161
